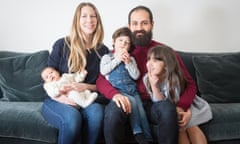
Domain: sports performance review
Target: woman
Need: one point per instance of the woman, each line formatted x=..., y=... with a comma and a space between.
x=82, y=49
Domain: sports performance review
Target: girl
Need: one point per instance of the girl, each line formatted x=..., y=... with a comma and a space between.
x=165, y=80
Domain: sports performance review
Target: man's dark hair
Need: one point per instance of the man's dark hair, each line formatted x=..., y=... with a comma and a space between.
x=141, y=8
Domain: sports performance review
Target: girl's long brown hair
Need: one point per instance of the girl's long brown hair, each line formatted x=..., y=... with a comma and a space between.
x=76, y=40
x=172, y=69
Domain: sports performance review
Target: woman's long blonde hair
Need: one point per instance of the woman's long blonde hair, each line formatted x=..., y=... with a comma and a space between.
x=172, y=70
x=76, y=40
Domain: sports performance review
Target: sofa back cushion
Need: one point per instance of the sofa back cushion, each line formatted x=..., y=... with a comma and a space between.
x=218, y=77
x=187, y=60
x=20, y=75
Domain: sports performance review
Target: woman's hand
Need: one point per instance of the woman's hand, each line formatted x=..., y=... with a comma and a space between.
x=183, y=117
x=65, y=89
x=64, y=99
x=80, y=87
x=122, y=102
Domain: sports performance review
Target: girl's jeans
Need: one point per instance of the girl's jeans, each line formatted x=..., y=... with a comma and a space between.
x=120, y=79
x=138, y=118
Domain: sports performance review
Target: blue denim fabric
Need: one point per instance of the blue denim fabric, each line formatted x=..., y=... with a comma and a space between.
x=92, y=123
x=121, y=80
x=144, y=120
x=73, y=123
x=163, y=115
x=115, y=124
x=138, y=117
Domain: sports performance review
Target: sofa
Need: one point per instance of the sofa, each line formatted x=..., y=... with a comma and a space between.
x=217, y=78
x=21, y=96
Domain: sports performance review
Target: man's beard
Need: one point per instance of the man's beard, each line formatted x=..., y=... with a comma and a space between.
x=142, y=40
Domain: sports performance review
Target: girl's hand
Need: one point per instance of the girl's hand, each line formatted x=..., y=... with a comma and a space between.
x=125, y=56
x=183, y=117
x=153, y=79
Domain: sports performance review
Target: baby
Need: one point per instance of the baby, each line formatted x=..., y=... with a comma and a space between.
x=54, y=83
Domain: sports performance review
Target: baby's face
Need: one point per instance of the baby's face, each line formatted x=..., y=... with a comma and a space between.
x=49, y=75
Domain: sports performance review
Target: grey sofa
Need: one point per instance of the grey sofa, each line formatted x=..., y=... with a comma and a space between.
x=21, y=96
x=218, y=80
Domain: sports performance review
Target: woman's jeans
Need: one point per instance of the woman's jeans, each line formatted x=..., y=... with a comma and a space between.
x=75, y=126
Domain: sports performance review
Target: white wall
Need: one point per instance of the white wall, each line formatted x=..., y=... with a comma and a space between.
x=188, y=25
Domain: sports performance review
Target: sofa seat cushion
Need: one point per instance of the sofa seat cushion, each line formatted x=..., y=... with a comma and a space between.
x=225, y=124
x=23, y=120
x=20, y=78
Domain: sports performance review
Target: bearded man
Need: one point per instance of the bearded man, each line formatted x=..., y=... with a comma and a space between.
x=162, y=114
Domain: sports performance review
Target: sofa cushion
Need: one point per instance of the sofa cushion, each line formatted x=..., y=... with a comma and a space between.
x=6, y=54
x=23, y=120
x=225, y=124
x=218, y=77
x=20, y=76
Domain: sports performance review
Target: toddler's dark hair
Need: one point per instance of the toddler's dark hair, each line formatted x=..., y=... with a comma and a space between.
x=124, y=31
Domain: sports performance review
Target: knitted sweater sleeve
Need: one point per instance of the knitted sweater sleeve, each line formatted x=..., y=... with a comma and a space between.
x=187, y=96
x=133, y=69
x=52, y=89
x=105, y=87
x=108, y=63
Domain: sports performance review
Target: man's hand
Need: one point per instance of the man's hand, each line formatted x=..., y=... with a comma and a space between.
x=122, y=102
x=183, y=117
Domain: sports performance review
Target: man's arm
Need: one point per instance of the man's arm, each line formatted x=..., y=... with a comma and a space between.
x=105, y=87
x=189, y=93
